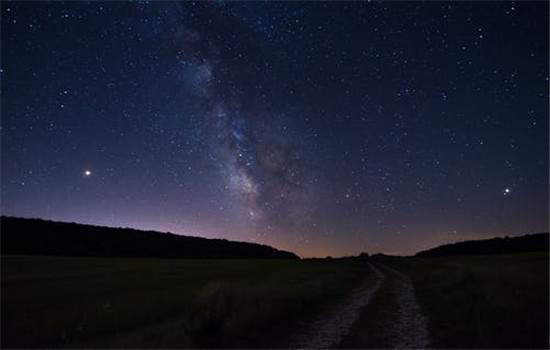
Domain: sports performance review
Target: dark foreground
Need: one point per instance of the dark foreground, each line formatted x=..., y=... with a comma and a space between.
x=467, y=302
x=491, y=301
x=121, y=302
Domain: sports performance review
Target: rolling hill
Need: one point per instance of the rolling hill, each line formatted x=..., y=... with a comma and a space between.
x=537, y=242
x=41, y=237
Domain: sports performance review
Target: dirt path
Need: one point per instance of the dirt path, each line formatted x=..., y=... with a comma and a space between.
x=382, y=314
x=329, y=329
x=410, y=329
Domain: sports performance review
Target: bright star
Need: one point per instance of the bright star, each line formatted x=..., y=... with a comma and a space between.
x=87, y=173
x=507, y=191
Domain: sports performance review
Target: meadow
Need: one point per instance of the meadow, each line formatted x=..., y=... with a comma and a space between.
x=144, y=302
x=476, y=301
x=483, y=301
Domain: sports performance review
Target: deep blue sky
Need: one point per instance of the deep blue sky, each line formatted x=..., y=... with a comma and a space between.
x=323, y=128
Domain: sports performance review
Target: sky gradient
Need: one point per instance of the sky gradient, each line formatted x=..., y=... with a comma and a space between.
x=321, y=128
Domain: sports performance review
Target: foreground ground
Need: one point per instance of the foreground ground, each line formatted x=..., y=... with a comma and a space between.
x=491, y=301
x=59, y=301
x=466, y=302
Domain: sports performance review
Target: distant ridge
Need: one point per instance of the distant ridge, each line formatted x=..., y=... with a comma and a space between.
x=537, y=242
x=42, y=237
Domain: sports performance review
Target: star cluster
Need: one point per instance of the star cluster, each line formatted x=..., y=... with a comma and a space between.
x=323, y=128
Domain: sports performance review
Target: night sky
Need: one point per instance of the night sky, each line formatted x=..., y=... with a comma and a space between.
x=322, y=128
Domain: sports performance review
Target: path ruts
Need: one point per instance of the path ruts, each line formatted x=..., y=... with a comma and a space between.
x=382, y=314
x=410, y=328
x=329, y=329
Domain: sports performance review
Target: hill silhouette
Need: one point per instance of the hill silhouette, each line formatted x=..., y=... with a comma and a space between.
x=43, y=237
x=537, y=242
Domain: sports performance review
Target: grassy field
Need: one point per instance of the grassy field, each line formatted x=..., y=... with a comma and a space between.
x=104, y=302
x=497, y=301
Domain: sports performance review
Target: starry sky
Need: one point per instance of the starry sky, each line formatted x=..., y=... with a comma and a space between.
x=321, y=128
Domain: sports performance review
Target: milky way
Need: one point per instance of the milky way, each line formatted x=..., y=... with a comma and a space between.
x=323, y=128
x=250, y=143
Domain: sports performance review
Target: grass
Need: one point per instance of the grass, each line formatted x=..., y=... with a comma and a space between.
x=116, y=302
x=497, y=301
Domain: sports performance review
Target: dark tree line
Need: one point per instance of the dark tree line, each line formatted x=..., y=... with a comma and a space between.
x=36, y=236
x=537, y=242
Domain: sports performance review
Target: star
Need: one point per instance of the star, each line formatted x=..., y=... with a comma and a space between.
x=507, y=191
x=87, y=173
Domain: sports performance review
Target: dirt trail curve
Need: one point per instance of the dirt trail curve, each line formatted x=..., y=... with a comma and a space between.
x=329, y=329
x=408, y=328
